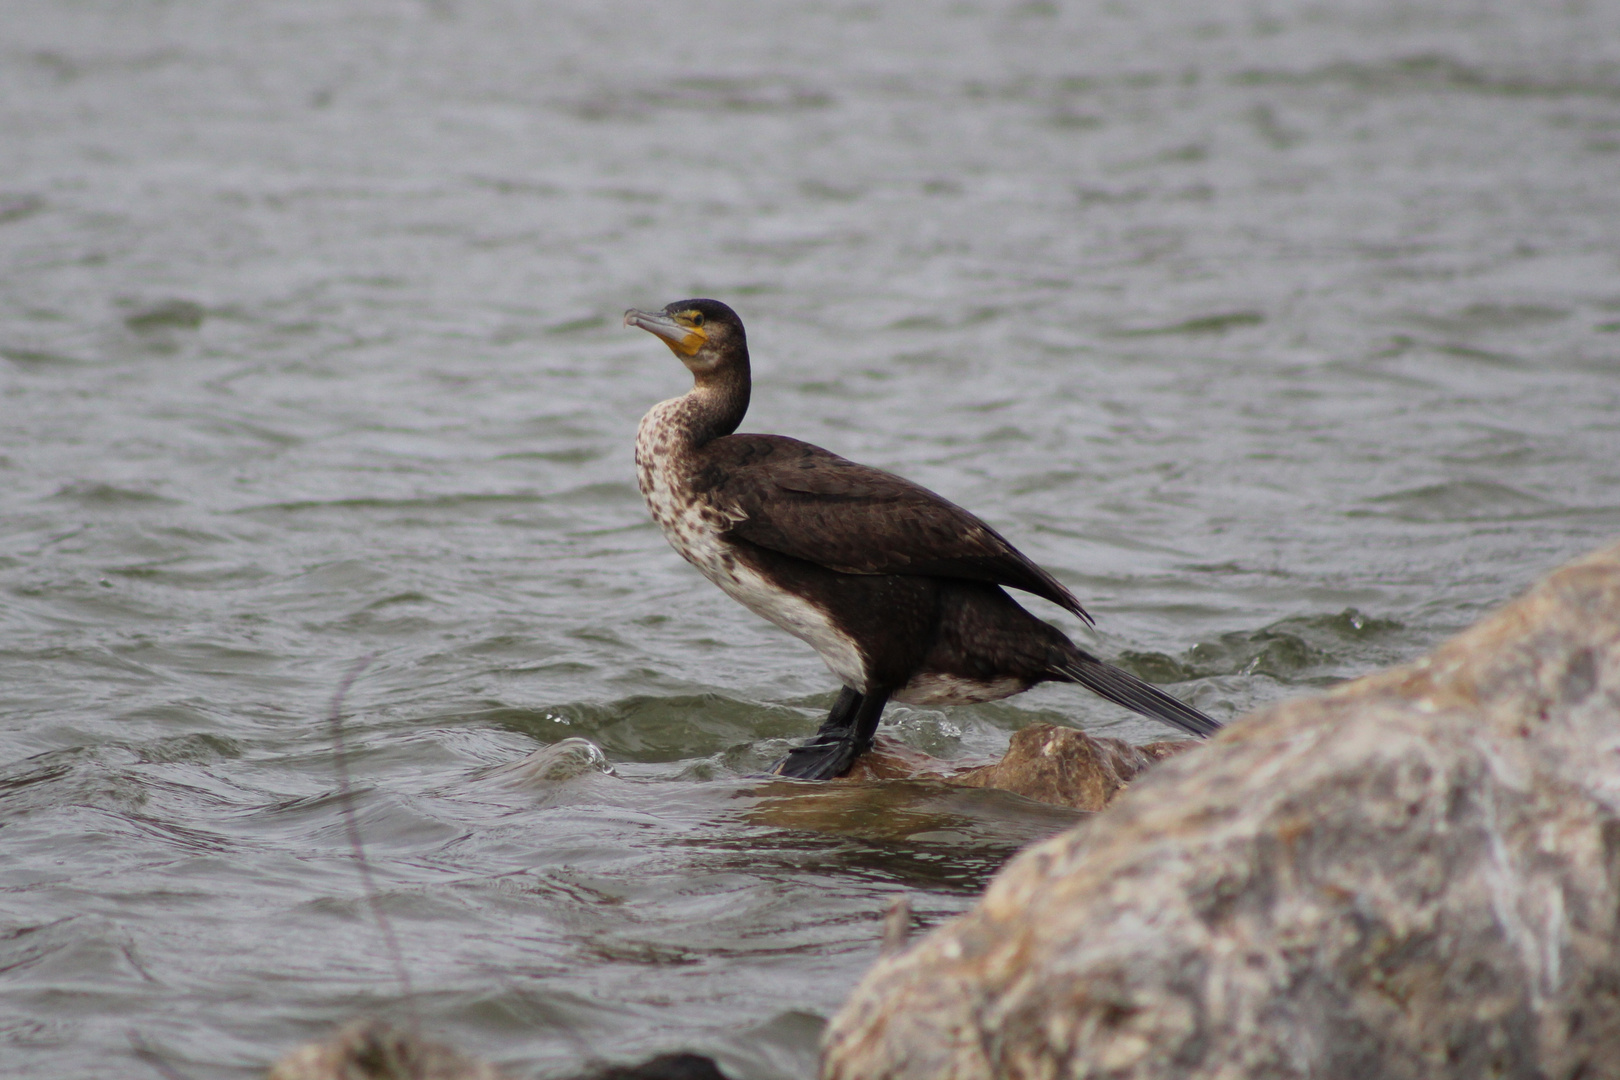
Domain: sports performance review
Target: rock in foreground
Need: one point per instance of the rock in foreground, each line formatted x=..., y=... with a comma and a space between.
x=373, y=1050
x=1415, y=875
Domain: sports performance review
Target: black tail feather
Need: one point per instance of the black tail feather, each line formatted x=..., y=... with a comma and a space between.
x=1123, y=688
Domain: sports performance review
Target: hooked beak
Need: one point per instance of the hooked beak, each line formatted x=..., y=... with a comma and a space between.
x=684, y=340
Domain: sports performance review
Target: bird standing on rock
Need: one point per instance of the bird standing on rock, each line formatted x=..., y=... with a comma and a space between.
x=899, y=590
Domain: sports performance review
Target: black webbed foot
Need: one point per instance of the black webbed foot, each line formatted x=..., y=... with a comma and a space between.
x=825, y=757
x=845, y=736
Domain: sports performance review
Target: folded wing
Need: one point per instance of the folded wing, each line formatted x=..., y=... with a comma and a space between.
x=803, y=501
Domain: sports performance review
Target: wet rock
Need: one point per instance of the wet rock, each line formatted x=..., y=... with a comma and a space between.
x=891, y=759
x=897, y=925
x=1416, y=874
x=1066, y=767
x=1043, y=762
x=974, y=823
x=677, y=1066
x=373, y=1050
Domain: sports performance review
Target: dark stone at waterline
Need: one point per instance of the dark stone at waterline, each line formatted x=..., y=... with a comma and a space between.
x=679, y=1066
x=1414, y=875
x=373, y=1050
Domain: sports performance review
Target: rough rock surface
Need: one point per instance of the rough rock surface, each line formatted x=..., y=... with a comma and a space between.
x=1068, y=767
x=372, y=1050
x=1416, y=874
x=1049, y=764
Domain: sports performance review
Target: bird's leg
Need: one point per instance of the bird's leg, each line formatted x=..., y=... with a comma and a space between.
x=867, y=715
x=845, y=736
x=842, y=716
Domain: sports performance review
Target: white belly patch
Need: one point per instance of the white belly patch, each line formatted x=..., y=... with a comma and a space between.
x=798, y=617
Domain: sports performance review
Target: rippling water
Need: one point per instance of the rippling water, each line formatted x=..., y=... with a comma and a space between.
x=1288, y=336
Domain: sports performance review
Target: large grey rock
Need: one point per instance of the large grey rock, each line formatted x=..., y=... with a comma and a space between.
x=1416, y=874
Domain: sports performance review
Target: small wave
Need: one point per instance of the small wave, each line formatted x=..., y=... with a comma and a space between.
x=565, y=760
x=1461, y=500
x=1287, y=649
x=1433, y=71
x=711, y=94
x=166, y=315
x=656, y=728
x=1493, y=317
x=93, y=493
x=429, y=502
x=1203, y=324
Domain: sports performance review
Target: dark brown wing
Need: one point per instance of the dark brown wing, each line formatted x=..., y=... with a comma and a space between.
x=806, y=502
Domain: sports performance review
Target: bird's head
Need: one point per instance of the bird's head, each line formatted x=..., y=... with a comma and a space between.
x=705, y=334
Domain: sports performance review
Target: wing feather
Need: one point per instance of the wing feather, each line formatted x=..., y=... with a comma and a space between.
x=803, y=501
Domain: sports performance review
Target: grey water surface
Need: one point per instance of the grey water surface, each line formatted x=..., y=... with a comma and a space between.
x=1287, y=335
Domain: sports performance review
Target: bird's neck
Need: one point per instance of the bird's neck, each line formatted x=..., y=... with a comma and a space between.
x=715, y=405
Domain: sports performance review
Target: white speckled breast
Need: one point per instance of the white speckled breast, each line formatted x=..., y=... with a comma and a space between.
x=694, y=527
x=691, y=525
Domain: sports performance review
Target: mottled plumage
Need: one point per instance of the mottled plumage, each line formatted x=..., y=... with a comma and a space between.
x=807, y=502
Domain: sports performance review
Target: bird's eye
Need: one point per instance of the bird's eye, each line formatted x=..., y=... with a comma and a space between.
x=697, y=318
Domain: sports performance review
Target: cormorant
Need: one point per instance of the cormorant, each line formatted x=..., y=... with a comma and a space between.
x=899, y=590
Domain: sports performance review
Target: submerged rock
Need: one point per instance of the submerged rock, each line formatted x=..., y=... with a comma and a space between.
x=373, y=1050
x=676, y=1066
x=1416, y=874
x=1043, y=762
x=1068, y=767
